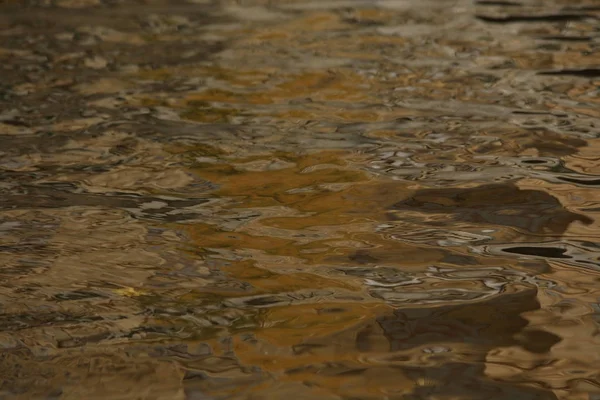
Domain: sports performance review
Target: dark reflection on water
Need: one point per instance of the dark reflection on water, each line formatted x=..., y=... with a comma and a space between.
x=498, y=204
x=214, y=199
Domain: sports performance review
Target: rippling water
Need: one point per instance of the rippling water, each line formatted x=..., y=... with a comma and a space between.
x=299, y=199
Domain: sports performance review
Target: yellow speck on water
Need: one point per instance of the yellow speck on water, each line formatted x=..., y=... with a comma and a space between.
x=425, y=381
x=130, y=292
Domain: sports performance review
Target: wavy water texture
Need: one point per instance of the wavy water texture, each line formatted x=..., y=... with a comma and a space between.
x=292, y=199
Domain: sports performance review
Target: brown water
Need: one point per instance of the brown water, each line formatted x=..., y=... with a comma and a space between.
x=300, y=199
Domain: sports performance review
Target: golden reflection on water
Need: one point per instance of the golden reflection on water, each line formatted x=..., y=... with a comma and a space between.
x=299, y=199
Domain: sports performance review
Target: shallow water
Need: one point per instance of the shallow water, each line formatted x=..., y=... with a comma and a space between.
x=291, y=199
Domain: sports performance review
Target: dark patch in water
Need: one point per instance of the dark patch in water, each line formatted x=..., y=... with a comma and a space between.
x=538, y=341
x=471, y=323
x=586, y=182
x=483, y=325
x=568, y=38
x=77, y=295
x=534, y=18
x=550, y=252
x=362, y=257
x=498, y=3
x=583, y=73
x=498, y=204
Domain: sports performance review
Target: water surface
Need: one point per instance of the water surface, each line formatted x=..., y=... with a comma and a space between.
x=383, y=199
